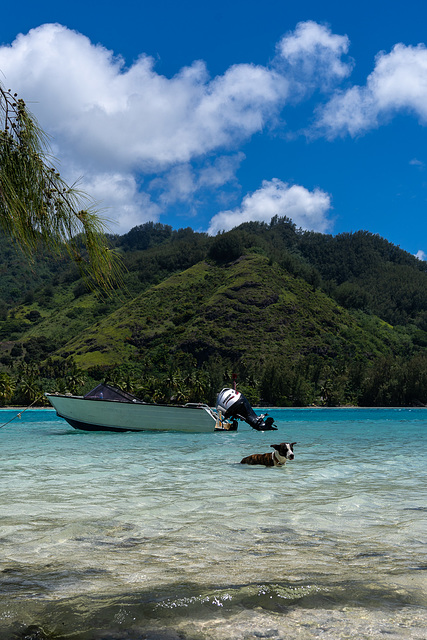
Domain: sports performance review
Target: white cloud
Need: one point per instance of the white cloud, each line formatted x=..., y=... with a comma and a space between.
x=120, y=200
x=421, y=255
x=116, y=124
x=132, y=117
x=183, y=182
x=398, y=83
x=307, y=209
x=177, y=185
x=311, y=57
x=109, y=119
x=221, y=170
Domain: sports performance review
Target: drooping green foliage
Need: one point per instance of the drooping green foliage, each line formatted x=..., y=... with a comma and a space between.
x=36, y=205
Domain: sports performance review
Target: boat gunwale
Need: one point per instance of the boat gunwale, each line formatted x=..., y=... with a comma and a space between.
x=189, y=405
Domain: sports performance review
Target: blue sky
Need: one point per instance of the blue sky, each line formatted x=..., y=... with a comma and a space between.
x=209, y=114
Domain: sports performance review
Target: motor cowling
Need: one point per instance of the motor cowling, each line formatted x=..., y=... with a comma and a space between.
x=233, y=404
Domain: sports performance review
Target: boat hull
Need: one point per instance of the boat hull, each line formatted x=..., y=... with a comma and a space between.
x=109, y=415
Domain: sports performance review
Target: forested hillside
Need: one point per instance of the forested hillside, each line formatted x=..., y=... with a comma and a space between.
x=300, y=317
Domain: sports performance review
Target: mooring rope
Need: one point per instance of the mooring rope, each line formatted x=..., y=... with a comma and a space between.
x=18, y=415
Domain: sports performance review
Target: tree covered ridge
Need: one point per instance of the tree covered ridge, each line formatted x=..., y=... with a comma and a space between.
x=343, y=318
x=359, y=270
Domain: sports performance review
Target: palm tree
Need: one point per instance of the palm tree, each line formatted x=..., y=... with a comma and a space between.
x=36, y=203
x=75, y=377
x=198, y=384
x=29, y=388
x=7, y=387
x=125, y=382
x=148, y=389
x=172, y=381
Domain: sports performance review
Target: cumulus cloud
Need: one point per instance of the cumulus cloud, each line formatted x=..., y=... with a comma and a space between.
x=221, y=170
x=421, y=255
x=133, y=117
x=307, y=209
x=183, y=182
x=398, y=83
x=311, y=57
x=125, y=206
x=109, y=119
x=143, y=141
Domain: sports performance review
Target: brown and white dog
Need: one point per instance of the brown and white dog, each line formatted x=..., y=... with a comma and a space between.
x=282, y=452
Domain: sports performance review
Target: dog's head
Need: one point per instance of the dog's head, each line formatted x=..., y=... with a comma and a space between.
x=285, y=449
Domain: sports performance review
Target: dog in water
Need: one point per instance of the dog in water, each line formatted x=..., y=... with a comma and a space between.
x=282, y=452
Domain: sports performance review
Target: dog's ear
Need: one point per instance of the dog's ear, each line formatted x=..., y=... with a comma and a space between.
x=293, y=444
x=275, y=446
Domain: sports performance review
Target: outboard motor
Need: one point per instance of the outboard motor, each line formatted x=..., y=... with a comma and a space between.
x=233, y=404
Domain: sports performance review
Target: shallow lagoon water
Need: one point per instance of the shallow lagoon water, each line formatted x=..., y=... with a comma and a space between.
x=126, y=536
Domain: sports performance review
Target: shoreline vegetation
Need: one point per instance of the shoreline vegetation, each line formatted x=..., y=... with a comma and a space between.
x=43, y=403
x=385, y=382
x=21, y=409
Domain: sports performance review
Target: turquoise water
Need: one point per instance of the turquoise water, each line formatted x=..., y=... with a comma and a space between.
x=125, y=536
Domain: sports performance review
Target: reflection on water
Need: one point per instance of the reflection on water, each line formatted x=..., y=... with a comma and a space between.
x=131, y=536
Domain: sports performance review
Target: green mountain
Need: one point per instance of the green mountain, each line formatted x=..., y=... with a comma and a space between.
x=299, y=317
x=249, y=309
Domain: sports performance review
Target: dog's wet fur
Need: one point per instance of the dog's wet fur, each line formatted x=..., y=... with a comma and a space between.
x=277, y=458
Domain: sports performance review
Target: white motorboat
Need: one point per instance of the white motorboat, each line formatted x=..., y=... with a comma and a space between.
x=106, y=408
